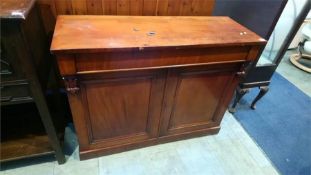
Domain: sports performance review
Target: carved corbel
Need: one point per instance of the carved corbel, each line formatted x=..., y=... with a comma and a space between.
x=245, y=69
x=71, y=85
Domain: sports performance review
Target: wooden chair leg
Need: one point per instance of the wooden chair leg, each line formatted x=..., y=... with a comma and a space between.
x=239, y=93
x=263, y=91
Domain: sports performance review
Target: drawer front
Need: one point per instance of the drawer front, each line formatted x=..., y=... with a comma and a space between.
x=15, y=92
x=118, y=61
x=11, y=69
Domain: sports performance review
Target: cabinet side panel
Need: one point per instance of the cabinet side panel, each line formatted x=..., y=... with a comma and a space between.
x=78, y=115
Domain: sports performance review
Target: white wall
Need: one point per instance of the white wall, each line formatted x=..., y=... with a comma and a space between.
x=290, y=12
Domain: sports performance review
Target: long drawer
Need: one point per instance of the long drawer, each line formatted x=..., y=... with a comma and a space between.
x=15, y=92
x=118, y=61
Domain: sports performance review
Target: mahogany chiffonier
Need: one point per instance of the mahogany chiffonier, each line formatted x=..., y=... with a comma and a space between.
x=139, y=81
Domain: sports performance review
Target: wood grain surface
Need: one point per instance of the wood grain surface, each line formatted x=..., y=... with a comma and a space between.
x=131, y=7
x=100, y=33
x=147, y=80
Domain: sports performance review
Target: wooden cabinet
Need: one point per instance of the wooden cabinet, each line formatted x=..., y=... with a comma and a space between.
x=149, y=81
x=28, y=126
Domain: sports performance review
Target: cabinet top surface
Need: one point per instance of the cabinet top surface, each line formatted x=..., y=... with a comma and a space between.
x=78, y=34
x=16, y=9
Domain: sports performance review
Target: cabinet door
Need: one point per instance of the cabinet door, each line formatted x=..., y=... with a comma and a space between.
x=118, y=108
x=196, y=98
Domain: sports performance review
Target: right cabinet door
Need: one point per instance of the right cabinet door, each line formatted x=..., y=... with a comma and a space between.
x=196, y=98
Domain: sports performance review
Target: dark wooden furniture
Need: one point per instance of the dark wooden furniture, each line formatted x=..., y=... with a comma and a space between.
x=260, y=75
x=25, y=68
x=261, y=17
x=138, y=81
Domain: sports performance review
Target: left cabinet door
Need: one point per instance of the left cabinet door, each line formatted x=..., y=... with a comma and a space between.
x=117, y=109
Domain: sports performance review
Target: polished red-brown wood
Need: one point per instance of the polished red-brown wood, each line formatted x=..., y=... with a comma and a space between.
x=134, y=60
x=77, y=34
x=124, y=107
x=129, y=88
x=193, y=96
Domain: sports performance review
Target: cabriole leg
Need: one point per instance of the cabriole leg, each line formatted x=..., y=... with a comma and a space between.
x=238, y=95
x=263, y=91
